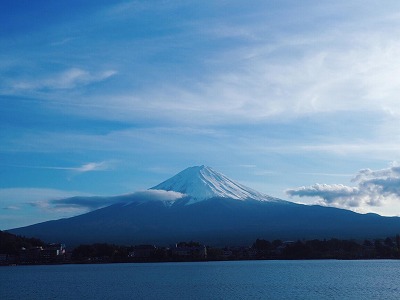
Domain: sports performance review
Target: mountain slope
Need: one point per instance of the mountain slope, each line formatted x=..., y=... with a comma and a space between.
x=216, y=221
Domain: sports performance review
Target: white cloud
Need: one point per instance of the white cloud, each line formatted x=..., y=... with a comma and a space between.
x=380, y=188
x=330, y=193
x=157, y=195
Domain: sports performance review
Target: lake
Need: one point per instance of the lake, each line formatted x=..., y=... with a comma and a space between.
x=305, y=279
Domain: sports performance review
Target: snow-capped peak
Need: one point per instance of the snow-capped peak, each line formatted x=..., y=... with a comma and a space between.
x=202, y=182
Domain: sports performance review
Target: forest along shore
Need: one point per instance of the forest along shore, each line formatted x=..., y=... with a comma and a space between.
x=17, y=250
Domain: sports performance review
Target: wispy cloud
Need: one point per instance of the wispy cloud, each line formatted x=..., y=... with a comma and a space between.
x=87, y=167
x=25, y=206
x=268, y=73
x=23, y=195
x=380, y=149
x=93, y=166
x=164, y=141
x=12, y=207
x=15, y=199
x=91, y=203
x=333, y=69
x=327, y=174
x=264, y=172
x=76, y=204
x=62, y=42
x=68, y=79
x=332, y=72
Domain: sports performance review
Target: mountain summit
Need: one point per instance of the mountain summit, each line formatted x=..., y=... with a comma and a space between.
x=202, y=183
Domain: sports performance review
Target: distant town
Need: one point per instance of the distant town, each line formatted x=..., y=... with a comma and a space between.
x=17, y=250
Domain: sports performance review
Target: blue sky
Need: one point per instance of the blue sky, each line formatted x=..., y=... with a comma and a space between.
x=296, y=99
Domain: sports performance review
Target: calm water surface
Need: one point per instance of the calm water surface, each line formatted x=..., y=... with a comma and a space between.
x=329, y=279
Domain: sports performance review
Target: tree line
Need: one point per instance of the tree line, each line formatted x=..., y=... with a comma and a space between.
x=12, y=244
x=387, y=248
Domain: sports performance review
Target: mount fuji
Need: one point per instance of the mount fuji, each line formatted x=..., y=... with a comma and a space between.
x=204, y=205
